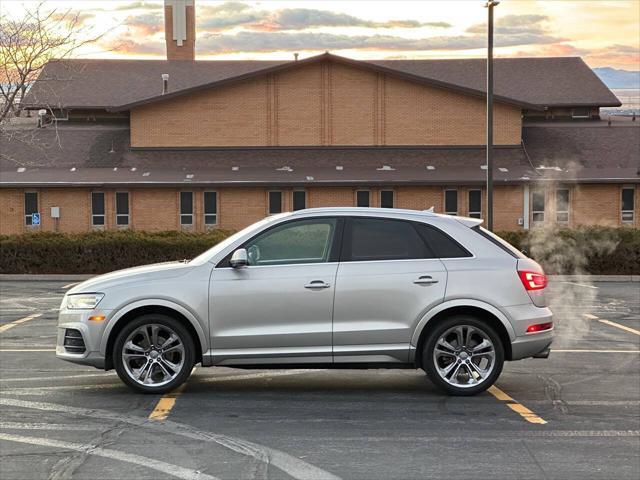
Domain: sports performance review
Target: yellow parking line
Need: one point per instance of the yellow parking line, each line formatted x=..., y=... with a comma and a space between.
x=15, y=323
x=517, y=407
x=167, y=402
x=621, y=327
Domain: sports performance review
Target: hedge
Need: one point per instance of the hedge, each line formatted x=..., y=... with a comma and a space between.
x=595, y=250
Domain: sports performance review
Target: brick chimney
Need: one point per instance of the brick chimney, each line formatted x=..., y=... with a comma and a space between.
x=180, y=29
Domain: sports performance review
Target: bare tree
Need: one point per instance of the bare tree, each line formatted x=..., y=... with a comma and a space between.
x=28, y=43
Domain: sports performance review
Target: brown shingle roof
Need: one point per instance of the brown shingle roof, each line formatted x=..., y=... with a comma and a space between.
x=109, y=84
x=589, y=153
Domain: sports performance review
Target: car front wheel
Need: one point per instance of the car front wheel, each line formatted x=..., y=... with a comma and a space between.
x=463, y=355
x=154, y=354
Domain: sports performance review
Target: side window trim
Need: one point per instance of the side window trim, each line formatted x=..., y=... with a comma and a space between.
x=336, y=242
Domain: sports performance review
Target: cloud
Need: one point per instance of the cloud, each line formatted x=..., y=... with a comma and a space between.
x=136, y=6
x=514, y=25
x=278, y=41
x=146, y=23
x=128, y=46
x=233, y=14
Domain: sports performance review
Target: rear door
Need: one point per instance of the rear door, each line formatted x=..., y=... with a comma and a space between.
x=387, y=279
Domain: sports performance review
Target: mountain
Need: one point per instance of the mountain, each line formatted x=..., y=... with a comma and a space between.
x=615, y=78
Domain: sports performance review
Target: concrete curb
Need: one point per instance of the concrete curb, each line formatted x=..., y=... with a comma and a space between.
x=81, y=277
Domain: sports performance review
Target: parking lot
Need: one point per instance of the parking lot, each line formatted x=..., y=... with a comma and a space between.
x=574, y=415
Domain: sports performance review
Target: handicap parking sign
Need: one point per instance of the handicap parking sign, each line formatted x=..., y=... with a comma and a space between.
x=35, y=219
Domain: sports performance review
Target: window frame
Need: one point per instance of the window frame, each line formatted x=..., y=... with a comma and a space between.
x=29, y=216
x=180, y=214
x=568, y=210
x=104, y=210
x=478, y=212
x=293, y=199
x=542, y=192
x=574, y=116
x=334, y=253
x=122, y=215
x=393, y=197
x=368, y=192
x=632, y=211
x=447, y=211
x=281, y=209
x=204, y=208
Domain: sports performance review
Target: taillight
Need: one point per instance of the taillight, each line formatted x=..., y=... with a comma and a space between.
x=539, y=327
x=532, y=280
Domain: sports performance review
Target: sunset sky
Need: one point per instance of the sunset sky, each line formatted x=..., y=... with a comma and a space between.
x=604, y=33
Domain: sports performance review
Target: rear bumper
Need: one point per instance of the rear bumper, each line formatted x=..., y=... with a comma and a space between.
x=527, y=345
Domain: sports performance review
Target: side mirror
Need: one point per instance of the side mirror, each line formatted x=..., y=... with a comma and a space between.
x=239, y=258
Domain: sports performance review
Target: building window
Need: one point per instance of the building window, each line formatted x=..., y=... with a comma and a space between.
x=451, y=202
x=210, y=208
x=299, y=199
x=30, y=206
x=628, y=204
x=362, y=198
x=537, y=206
x=122, y=208
x=581, y=113
x=562, y=205
x=475, y=203
x=97, y=209
x=186, y=208
x=275, y=203
x=386, y=198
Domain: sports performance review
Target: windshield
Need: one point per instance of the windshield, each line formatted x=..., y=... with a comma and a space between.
x=208, y=254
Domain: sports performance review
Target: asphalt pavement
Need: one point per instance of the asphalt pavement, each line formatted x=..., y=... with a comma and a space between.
x=575, y=415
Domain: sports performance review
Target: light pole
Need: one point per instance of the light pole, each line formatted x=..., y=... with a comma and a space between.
x=489, y=6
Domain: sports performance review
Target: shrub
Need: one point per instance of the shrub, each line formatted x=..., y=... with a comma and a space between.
x=99, y=252
x=594, y=250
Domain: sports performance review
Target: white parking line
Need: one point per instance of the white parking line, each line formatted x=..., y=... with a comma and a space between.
x=69, y=285
x=14, y=350
x=289, y=464
x=589, y=316
x=560, y=350
x=57, y=377
x=582, y=285
x=47, y=426
x=15, y=323
x=162, y=467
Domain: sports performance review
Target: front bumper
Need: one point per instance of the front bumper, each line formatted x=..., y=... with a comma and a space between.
x=527, y=345
x=91, y=333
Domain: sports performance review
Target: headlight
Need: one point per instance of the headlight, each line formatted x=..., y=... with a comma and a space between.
x=84, y=301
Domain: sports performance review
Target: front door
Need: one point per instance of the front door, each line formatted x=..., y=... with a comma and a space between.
x=386, y=281
x=279, y=308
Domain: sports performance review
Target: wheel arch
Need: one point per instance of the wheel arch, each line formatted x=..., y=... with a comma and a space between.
x=151, y=306
x=477, y=309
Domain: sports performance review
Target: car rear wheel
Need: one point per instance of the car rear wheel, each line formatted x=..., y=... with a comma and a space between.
x=463, y=355
x=154, y=354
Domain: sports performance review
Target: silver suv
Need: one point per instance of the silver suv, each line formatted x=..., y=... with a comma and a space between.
x=327, y=287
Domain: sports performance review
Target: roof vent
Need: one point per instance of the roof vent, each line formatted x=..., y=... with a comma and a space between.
x=285, y=169
x=524, y=177
x=235, y=169
x=115, y=169
x=430, y=167
x=133, y=169
x=165, y=83
x=21, y=169
x=146, y=174
x=112, y=149
x=339, y=167
x=189, y=176
x=502, y=169
x=385, y=168
x=73, y=169
x=483, y=167
x=310, y=178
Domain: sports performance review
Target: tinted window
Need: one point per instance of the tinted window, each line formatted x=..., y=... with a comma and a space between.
x=122, y=208
x=304, y=241
x=475, y=203
x=97, y=208
x=381, y=239
x=275, y=202
x=299, y=199
x=362, y=198
x=186, y=208
x=451, y=202
x=386, y=198
x=30, y=203
x=441, y=244
x=627, y=199
x=210, y=208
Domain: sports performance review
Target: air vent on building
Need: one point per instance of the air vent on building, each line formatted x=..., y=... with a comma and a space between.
x=385, y=168
x=285, y=169
x=115, y=169
x=146, y=174
x=133, y=169
x=21, y=169
x=310, y=178
x=483, y=167
x=72, y=169
x=430, y=167
x=165, y=83
x=235, y=169
x=502, y=169
x=189, y=176
x=339, y=167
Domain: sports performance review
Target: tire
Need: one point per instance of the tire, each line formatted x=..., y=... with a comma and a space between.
x=154, y=367
x=477, y=367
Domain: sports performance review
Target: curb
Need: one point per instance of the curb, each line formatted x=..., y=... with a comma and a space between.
x=81, y=277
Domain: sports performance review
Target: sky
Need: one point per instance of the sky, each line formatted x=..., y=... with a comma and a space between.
x=604, y=33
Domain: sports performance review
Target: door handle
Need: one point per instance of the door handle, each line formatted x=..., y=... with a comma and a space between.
x=317, y=284
x=425, y=280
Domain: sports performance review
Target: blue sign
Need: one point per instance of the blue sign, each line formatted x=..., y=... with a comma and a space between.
x=35, y=219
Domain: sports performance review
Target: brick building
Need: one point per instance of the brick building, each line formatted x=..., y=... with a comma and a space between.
x=185, y=144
